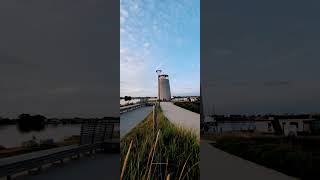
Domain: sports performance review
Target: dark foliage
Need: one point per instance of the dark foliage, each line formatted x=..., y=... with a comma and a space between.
x=299, y=157
x=127, y=98
x=191, y=106
x=27, y=122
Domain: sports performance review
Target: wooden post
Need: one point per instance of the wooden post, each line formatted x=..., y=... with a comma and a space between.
x=155, y=118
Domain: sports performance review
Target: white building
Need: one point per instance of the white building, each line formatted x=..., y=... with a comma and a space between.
x=264, y=126
x=295, y=126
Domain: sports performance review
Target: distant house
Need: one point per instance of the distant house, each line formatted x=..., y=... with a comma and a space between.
x=264, y=126
x=295, y=125
x=273, y=124
x=234, y=123
x=285, y=124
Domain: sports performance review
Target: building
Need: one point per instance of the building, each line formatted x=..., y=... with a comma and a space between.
x=264, y=125
x=298, y=124
x=233, y=123
x=286, y=125
x=164, y=88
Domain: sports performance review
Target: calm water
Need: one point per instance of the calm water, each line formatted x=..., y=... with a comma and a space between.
x=10, y=136
x=132, y=118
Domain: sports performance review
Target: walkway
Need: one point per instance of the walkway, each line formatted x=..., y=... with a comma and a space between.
x=181, y=117
x=131, y=119
x=217, y=164
x=97, y=167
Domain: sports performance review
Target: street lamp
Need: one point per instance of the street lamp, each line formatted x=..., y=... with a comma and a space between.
x=158, y=73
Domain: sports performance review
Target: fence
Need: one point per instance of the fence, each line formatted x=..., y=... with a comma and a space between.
x=98, y=131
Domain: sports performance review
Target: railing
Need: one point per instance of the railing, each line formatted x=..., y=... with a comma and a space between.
x=96, y=131
x=101, y=140
x=130, y=108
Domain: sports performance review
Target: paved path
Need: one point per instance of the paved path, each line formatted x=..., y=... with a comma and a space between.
x=181, y=117
x=96, y=167
x=217, y=164
x=131, y=119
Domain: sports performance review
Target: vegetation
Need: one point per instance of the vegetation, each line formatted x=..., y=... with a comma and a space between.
x=7, y=152
x=7, y=121
x=27, y=122
x=191, y=106
x=127, y=98
x=169, y=151
x=24, y=120
x=298, y=157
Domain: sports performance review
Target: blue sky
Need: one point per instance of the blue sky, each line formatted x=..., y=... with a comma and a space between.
x=159, y=35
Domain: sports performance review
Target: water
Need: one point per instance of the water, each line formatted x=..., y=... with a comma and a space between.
x=10, y=136
x=130, y=119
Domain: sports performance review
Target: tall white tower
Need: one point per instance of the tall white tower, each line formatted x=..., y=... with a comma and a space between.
x=164, y=88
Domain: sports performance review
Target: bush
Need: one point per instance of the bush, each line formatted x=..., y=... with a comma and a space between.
x=2, y=148
x=274, y=153
x=191, y=106
x=27, y=123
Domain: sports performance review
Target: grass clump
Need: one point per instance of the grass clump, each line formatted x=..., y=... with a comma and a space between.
x=169, y=152
x=294, y=158
x=191, y=106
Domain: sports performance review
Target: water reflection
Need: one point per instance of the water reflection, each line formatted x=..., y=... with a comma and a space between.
x=12, y=136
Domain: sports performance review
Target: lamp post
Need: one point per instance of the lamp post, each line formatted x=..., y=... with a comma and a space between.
x=158, y=73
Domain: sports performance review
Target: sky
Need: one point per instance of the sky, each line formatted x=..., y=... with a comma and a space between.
x=58, y=58
x=260, y=56
x=159, y=35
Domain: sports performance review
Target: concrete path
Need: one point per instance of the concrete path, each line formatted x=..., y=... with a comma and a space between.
x=181, y=117
x=96, y=167
x=131, y=119
x=217, y=164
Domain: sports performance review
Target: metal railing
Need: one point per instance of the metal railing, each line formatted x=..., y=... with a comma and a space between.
x=131, y=107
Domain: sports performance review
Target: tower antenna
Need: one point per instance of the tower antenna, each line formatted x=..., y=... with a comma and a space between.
x=158, y=72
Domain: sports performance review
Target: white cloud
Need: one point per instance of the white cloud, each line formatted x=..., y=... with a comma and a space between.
x=146, y=45
x=144, y=30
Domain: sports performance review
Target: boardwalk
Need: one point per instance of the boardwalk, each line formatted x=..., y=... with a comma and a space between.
x=181, y=117
x=217, y=164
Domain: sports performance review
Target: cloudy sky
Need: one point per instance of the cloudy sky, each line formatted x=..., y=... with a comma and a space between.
x=159, y=35
x=260, y=56
x=59, y=58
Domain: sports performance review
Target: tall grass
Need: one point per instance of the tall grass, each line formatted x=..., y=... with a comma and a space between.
x=169, y=152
